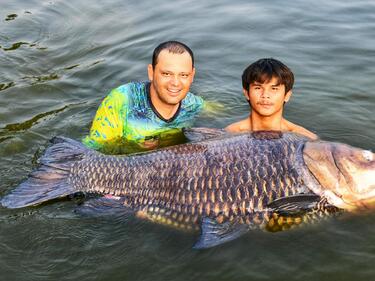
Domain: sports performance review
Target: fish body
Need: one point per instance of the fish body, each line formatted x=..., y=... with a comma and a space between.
x=225, y=184
x=227, y=179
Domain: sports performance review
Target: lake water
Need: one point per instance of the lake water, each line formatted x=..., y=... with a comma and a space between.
x=58, y=59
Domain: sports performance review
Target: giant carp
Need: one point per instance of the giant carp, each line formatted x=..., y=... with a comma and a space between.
x=224, y=184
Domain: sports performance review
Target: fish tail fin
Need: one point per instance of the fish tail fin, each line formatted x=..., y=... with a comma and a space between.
x=50, y=180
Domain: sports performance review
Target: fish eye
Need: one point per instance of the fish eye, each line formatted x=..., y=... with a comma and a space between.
x=367, y=154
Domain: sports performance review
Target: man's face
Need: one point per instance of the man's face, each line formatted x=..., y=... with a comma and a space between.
x=172, y=77
x=267, y=98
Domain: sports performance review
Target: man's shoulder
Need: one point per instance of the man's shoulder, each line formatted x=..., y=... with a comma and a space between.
x=192, y=102
x=129, y=88
x=128, y=91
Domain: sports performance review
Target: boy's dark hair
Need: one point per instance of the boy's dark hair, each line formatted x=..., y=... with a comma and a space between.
x=264, y=69
x=174, y=47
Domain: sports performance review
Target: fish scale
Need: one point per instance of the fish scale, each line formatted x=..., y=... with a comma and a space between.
x=191, y=178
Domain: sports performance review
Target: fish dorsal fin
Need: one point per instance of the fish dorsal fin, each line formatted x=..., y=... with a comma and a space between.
x=214, y=233
x=295, y=204
x=202, y=133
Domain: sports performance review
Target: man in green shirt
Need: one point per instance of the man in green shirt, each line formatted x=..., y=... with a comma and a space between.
x=145, y=115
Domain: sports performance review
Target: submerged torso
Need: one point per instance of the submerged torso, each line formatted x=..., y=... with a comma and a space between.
x=126, y=120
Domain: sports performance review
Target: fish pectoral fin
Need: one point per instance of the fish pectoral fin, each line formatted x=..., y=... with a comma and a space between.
x=214, y=233
x=202, y=133
x=295, y=204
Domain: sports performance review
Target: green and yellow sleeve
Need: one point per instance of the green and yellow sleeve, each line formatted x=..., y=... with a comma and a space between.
x=109, y=121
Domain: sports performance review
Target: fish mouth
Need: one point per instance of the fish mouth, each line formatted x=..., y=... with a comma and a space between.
x=364, y=200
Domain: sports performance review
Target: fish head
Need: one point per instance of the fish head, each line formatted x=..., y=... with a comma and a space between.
x=346, y=174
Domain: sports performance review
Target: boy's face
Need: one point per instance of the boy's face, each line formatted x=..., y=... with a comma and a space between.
x=268, y=98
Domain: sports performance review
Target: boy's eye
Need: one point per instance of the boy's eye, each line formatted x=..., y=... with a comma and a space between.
x=275, y=88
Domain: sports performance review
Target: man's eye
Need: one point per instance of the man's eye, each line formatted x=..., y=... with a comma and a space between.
x=166, y=74
x=184, y=75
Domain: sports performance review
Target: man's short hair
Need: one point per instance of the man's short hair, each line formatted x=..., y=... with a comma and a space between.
x=174, y=47
x=264, y=70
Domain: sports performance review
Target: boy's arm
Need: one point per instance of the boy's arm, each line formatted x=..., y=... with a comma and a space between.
x=300, y=130
x=305, y=132
x=108, y=123
x=233, y=128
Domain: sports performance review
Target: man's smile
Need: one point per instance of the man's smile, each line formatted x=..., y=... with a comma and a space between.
x=174, y=92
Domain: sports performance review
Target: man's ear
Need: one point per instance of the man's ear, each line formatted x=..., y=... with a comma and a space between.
x=287, y=96
x=192, y=74
x=246, y=94
x=150, y=71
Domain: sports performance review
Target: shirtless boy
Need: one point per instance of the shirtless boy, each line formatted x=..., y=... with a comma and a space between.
x=267, y=85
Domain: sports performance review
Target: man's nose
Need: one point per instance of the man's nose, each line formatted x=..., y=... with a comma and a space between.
x=175, y=81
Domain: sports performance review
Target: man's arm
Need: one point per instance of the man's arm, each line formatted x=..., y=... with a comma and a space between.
x=108, y=123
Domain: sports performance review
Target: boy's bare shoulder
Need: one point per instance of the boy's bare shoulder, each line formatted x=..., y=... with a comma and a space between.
x=299, y=130
x=240, y=126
